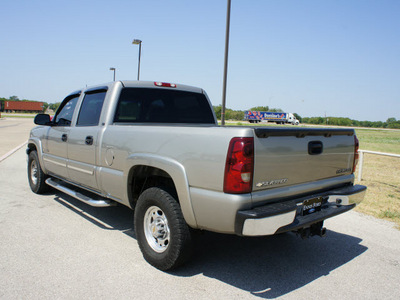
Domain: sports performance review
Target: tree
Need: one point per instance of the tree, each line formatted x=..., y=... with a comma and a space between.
x=45, y=106
x=237, y=115
x=54, y=106
x=278, y=110
x=229, y=113
x=260, y=108
x=14, y=98
x=298, y=117
x=217, y=110
x=393, y=123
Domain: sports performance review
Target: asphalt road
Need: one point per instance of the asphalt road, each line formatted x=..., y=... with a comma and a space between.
x=13, y=133
x=54, y=247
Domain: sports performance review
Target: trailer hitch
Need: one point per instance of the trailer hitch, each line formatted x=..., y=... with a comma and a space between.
x=314, y=229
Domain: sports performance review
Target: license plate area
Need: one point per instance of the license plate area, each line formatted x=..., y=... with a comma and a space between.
x=311, y=206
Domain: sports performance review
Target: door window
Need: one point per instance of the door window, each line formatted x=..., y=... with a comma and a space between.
x=91, y=109
x=66, y=111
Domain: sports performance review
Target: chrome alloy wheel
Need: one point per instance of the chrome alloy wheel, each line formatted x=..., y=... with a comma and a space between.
x=34, y=172
x=156, y=229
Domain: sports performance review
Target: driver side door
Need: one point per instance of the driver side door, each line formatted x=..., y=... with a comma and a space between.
x=55, y=150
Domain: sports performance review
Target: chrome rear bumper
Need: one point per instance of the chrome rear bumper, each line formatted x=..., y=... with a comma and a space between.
x=288, y=215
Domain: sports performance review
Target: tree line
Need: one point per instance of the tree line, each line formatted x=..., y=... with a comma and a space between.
x=390, y=123
x=238, y=115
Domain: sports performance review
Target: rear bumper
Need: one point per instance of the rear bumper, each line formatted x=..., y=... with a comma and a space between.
x=288, y=215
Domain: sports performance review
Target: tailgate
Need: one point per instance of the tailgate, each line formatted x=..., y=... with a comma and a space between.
x=285, y=157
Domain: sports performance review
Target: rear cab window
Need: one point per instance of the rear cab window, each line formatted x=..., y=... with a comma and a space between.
x=148, y=105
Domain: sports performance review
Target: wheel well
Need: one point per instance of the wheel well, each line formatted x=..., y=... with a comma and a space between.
x=31, y=147
x=143, y=177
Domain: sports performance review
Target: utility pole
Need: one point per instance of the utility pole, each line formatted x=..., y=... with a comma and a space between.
x=113, y=69
x=228, y=18
x=138, y=42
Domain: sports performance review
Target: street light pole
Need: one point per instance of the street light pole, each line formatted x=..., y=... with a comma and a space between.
x=113, y=69
x=138, y=42
x=228, y=18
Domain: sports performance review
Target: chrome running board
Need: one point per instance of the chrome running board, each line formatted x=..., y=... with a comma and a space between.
x=62, y=187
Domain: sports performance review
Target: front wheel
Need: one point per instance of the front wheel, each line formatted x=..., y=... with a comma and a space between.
x=161, y=231
x=36, y=176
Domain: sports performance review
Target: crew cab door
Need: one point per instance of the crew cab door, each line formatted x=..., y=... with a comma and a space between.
x=83, y=139
x=55, y=144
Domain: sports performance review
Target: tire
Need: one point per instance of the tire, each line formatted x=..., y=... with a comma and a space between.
x=36, y=176
x=161, y=231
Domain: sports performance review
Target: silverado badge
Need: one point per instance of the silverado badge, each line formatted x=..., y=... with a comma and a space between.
x=272, y=182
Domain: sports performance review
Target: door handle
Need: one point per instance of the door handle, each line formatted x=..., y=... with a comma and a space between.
x=89, y=140
x=64, y=137
x=315, y=147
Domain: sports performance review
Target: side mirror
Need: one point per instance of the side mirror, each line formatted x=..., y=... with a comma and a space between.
x=42, y=119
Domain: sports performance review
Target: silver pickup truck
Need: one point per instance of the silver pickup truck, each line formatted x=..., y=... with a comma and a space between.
x=157, y=148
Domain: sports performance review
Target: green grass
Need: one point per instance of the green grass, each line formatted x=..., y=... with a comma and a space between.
x=379, y=140
x=389, y=214
x=381, y=174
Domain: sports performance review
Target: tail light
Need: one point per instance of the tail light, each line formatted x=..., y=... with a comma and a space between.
x=356, y=154
x=239, y=166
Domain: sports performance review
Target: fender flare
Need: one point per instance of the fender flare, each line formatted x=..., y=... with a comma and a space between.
x=178, y=174
x=39, y=148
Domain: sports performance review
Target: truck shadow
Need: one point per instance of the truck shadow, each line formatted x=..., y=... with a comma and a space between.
x=117, y=217
x=267, y=267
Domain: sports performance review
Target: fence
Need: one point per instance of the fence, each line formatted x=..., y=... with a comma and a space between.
x=371, y=152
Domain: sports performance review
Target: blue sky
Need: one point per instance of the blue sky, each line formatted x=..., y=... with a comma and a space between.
x=337, y=57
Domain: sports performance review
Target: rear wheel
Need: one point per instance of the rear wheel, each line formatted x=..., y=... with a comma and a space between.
x=36, y=176
x=161, y=231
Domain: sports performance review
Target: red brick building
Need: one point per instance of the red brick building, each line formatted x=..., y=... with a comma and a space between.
x=23, y=106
